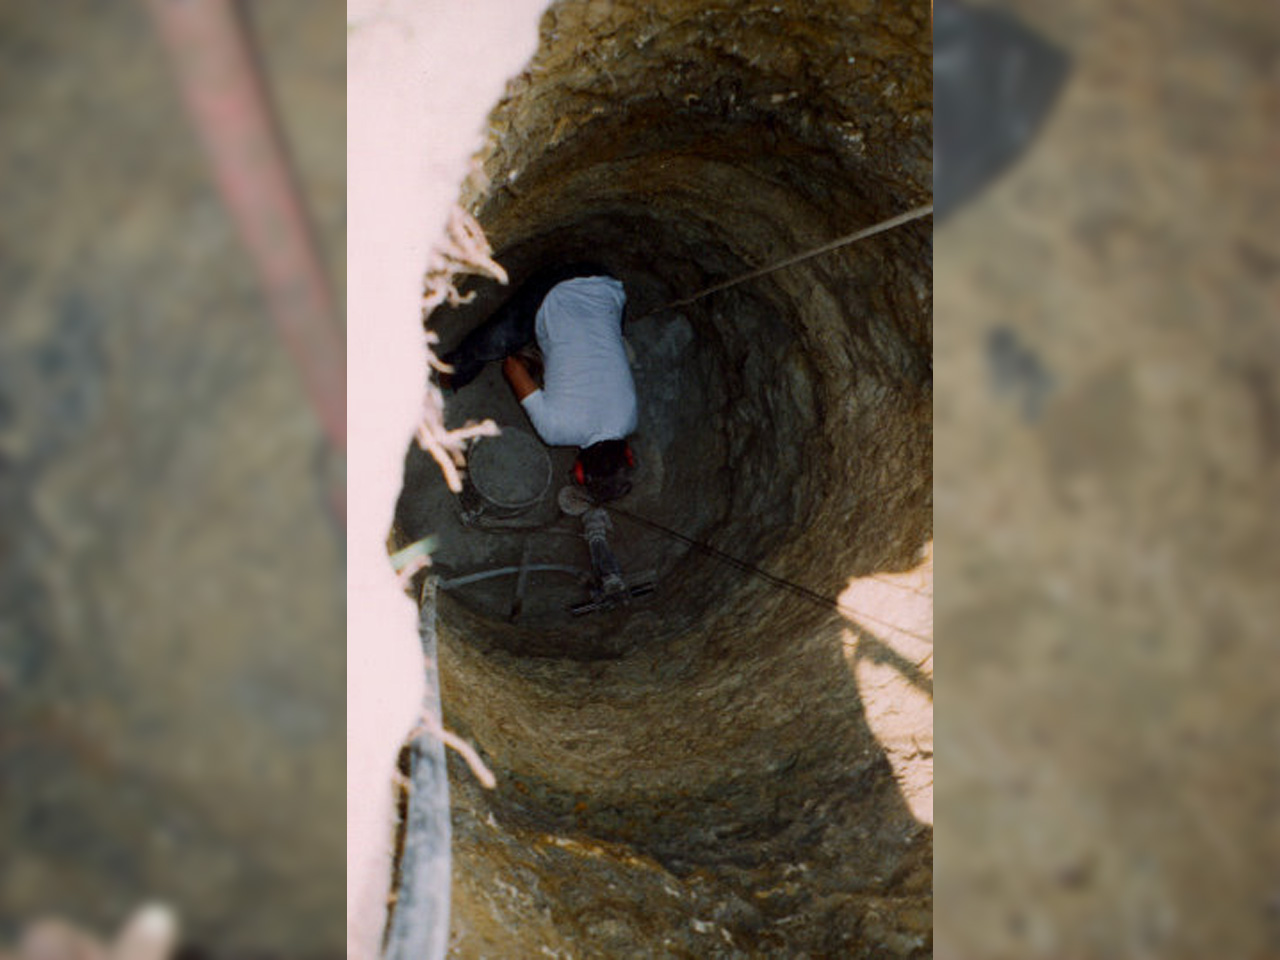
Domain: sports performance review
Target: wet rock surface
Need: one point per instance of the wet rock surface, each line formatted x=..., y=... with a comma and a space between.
x=696, y=775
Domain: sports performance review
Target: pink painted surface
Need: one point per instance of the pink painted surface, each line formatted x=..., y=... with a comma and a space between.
x=420, y=80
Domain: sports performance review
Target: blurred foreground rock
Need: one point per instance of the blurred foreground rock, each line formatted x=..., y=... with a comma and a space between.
x=171, y=673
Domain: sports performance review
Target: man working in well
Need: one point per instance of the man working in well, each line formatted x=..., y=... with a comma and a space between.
x=588, y=396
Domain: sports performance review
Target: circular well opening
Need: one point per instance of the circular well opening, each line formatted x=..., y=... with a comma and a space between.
x=711, y=729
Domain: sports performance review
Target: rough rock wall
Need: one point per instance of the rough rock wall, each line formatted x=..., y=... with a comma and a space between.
x=711, y=786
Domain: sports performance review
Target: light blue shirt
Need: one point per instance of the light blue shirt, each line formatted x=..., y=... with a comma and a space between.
x=588, y=393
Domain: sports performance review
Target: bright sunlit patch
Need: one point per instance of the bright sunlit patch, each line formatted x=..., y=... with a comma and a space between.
x=889, y=648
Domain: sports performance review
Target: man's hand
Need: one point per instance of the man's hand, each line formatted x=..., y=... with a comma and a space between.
x=517, y=375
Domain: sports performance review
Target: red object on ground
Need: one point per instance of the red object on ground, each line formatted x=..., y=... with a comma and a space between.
x=227, y=99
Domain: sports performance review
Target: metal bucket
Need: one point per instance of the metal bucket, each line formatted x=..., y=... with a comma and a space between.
x=507, y=475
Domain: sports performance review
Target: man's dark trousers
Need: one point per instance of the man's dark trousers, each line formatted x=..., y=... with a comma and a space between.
x=514, y=324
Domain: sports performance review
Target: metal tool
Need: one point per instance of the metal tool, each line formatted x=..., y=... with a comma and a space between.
x=609, y=588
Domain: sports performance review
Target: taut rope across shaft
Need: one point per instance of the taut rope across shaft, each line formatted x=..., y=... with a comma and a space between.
x=881, y=227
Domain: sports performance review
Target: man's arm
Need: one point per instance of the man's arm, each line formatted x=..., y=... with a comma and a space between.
x=517, y=375
x=545, y=419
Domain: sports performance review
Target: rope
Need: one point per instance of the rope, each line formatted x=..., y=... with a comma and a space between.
x=830, y=603
x=881, y=227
